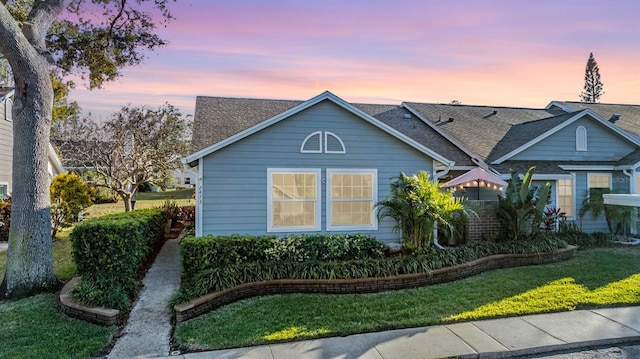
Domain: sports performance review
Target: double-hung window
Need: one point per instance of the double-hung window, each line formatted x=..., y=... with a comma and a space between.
x=565, y=197
x=293, y=200
x=351, y=197
x=598, y=184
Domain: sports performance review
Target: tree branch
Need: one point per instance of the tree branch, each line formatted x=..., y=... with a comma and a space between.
x=39, y=21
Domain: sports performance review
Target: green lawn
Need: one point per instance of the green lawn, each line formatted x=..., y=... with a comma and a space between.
x=34, y=328
x=183, y=197
x=598, y=277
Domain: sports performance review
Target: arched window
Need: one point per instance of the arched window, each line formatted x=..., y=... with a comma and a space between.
x=312, y=143
x=8, y=109
x=329, y=143
x=333, y=144
x=581, y=138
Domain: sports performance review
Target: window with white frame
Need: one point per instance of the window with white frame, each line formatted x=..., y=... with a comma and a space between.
x=8, y=109
x=565, y=197
x=4, y=187
x=323, y=142
x=351, y=197
x=598, y=184
x=581, y=138
x=293, y=200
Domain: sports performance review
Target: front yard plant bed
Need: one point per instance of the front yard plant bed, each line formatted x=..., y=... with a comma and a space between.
x=233, y=281
x=594, y=278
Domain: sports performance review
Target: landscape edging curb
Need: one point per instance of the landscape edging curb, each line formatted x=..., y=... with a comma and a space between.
x=214, y=300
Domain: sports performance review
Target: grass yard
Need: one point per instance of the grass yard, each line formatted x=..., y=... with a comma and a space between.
x=34, y=328
x=183, y=197
x=598, y=277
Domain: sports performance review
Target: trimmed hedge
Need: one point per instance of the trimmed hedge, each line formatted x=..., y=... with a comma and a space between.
x=218, y=277
x=108, y=252
x=202, y=253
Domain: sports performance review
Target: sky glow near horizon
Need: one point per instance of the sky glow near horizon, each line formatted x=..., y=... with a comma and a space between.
x=498, y=53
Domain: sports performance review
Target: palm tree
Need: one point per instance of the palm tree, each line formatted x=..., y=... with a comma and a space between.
x=418, y=206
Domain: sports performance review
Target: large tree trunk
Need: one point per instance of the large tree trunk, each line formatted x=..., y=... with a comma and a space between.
x=29, y=259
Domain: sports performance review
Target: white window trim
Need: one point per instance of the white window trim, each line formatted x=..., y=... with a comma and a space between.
x=573, y=189
x=8, y=110
x=5, y=184
x=318, y=219
x=304, y=143
x=329, y=172
x=581, y=139
x=326, y=149
x=593, y=174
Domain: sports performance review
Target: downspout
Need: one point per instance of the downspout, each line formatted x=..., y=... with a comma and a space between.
x=436, y=175
x=632, y=189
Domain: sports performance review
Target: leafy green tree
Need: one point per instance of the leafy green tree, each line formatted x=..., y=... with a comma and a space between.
x=521, y=209
x=69, y=197
x=418, y=206
x=593, y=86
x=93, y=38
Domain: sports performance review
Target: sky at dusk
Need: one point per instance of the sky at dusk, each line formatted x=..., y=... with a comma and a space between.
x=500, y=53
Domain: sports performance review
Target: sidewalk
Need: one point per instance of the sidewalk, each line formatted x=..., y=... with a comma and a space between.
x=148, y=330
x=496, y=338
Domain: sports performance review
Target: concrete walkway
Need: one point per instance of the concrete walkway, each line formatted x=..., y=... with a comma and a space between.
x=148, y=330
x=4, y=246
x=496, y=338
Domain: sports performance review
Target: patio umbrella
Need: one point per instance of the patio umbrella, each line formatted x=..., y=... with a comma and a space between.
x=476, y=177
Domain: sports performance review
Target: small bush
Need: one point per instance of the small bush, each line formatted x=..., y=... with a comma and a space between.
x=108, y=252
x=5, y=219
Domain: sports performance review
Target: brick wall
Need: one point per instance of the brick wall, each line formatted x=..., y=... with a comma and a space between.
x=216, y=300
x=487, y=225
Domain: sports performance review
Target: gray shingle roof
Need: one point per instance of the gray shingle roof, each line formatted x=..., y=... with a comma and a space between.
x=417, y=130
x=217, y=118
x=479, y=128
x=629, y=114
x=522, y=133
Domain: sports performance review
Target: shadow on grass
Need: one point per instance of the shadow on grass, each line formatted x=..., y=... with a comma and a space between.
x=594, y=278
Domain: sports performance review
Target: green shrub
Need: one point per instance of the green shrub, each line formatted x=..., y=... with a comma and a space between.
x=216, y=278
x=202, y=253
x=108, y=252
x=69, y=197
x=5, y=219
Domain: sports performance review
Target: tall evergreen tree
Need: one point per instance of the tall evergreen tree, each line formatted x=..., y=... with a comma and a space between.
x=593, y=86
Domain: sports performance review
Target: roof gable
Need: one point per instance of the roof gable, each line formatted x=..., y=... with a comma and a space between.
x=554, y=125
x=477, y=128
x=628, y=117
x=273, y=117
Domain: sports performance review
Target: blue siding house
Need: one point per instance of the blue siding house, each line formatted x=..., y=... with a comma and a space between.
x=319, y=166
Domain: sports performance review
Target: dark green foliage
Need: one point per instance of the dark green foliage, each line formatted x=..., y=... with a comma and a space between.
x=218, y=252
x=521, y=209
x=418, y=206
x=228, y=274
x=593, y=86
x=619, y=218
x=5, y=219
x=108, y=252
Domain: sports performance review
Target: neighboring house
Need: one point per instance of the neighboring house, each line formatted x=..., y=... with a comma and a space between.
x=319, y=166
x=6, y=145
x=577, y=151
